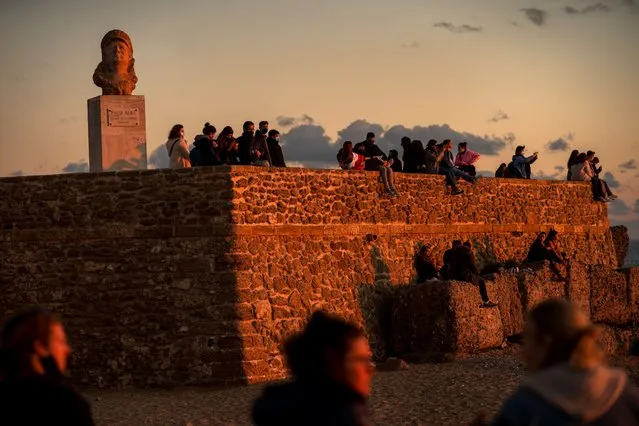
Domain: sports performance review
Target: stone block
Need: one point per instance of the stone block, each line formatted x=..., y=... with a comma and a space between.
x=117, y=133
x=620, y=241
x=539, y=285
x=609, y=296
x=579, y=286
x=615, y=341
x=444, y=317
x=509, y=299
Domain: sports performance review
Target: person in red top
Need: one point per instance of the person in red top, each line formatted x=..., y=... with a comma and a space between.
x=466, y=159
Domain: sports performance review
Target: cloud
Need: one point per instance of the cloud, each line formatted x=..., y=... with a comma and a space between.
x=597, y=7
x=618, y=208
x=459, y=29
x=536, y=16
x=628, y=165
x=309, y=145
x=499, y=116
x=159, y=158
x=560, y=144
x=610, y=178
x=285, y=121
x=510, y=138
x=79, y=167
x=411, y=45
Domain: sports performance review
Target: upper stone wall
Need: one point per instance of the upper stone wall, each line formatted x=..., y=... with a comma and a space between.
x=258, y=196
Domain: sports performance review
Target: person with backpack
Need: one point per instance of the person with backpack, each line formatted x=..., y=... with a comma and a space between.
x=520, y=166
x=204, y=152
x=178, y=148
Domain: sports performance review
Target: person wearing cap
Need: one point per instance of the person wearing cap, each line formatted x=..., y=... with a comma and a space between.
x=465, y=159
x=569, y=382
x=520, y=166
x=115, y=74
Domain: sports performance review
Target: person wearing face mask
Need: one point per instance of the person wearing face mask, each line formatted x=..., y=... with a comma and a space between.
x=33, y=360
x=263, y=128
x=332, y=370
x=275, y=149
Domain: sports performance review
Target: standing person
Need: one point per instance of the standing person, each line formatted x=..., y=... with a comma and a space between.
x=463, y=268
x=275, y=149
x=569, y=382
x=245, y=142
x=260, y=155
x=407, y=156
x=571, y=162
x=419, y=156
x=377, y=160
x=466, y=159
x=520, y=166
x=33, y=360
x=348, y=159
x=332, y=370
x=178, y=148
x=396, y=164
x=424, y=265
x=204, y=152
x=447, y=166
x=263, y=129
x=227, y=147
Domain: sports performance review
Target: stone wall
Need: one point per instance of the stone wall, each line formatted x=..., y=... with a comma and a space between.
x=196, y=276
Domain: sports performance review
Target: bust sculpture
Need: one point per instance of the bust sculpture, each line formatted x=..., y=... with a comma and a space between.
x=115, y=74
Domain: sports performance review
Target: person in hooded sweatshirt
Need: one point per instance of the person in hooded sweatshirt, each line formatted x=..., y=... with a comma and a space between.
x=177, y=148
x=275, y=149
x=204, y=152
x=538, y=251
x=330, y=362
x=33, y=359
x=569, y=382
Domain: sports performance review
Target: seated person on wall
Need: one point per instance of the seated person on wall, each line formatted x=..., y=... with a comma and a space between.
x=275, y=149
x=424, y=267
x=537, y=251
x=407, y=156
x=444, y=271
x=447, y=164
x=502, y=171
x=593, y=163
x=553, y=248
x=420, y=156
x=348, y=159
x=376, y=160
x=519, y=167
x=571, y=162
x=393, y=156
x=463, y=268
x=466, y=159
x=205, y=149
x=581, y=172
x=444, y=164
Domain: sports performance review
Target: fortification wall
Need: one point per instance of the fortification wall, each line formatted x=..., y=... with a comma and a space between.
x=196, y=276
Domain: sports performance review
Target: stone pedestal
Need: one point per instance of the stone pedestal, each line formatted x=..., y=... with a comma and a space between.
x=117, y=133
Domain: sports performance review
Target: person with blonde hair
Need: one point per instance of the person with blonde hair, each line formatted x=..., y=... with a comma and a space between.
x=569, y=382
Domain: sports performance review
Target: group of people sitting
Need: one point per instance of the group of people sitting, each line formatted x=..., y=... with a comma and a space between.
x=434, y=159
x=257, y=148
x=585, y=167
x=458, y=264
x=519, y=167
x=546, y=247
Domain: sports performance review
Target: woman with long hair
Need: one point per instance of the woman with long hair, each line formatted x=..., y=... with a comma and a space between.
x=572, y=160
x=332, y=370
x=228, y=150
x=178, y=148
x=33, y=360
x=349, y=159
x=569, y=382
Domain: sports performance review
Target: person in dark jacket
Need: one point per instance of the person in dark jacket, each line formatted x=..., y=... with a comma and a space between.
x=537, y=251
x=424, y=265
x=396, y=165
x=502, y=171
x=444, y=271
x=520, y=166
x=33, y=359
x=463, y=268
x=204, y=152
x=332, y=370
x=262, y=129
x=260, y=154
x=407, y=156
x=275, y=149
x=572, y=160
x=569, y=381
x=245, y=142
x=378, y=161
x=448, y=169
x=227, y=147
x=419, y=155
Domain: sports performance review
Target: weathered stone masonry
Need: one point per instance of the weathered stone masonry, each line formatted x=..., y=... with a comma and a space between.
x=196, y=276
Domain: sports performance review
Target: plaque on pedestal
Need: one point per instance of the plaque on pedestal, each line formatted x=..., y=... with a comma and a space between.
x=117, y=133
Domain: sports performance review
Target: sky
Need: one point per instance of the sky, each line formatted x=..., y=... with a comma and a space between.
x=553, y=75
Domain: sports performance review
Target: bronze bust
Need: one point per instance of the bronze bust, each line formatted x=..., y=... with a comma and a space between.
x=115, y=74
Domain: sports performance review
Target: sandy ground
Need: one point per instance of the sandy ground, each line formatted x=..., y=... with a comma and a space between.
x=425, y=394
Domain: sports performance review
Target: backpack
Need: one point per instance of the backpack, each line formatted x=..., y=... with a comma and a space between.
x=196, y=157
x=512, y=171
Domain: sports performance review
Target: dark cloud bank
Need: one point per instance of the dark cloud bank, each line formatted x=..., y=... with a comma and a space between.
x=306, y=142
x=459, y=29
